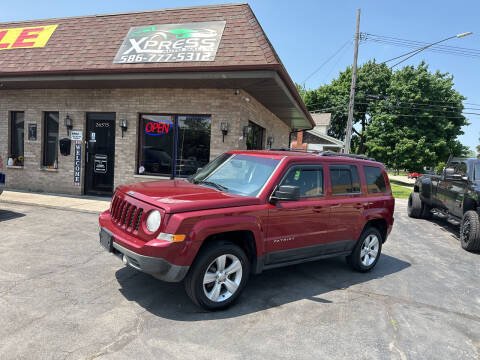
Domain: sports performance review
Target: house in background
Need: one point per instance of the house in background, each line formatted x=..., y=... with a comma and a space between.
x=317, y=138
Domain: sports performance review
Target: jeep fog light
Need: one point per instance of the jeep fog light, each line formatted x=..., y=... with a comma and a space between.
x=154, y=220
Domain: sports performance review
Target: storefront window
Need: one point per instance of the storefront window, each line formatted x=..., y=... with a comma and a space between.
x=50, y=140
x=173, y=145
x=255, y=138
x=193, y=144
x=17, y=137
x=157, y=137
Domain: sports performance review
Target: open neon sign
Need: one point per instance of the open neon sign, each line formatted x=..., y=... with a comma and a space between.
x=158, y=128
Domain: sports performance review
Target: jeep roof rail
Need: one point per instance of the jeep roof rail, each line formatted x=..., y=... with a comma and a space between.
x=354, y=156
x=287, y=149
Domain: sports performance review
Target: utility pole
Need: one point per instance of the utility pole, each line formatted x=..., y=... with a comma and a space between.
x=351, y=104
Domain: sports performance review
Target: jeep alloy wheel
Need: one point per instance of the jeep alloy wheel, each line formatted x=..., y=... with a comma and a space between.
x=369, y=251
x=222, y=278
x=218, y=275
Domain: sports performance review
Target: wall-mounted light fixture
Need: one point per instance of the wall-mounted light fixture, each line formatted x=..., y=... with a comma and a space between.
x=247, y=130
x=224, y=128
x=68, y=124
x=270, y=141
x=123, y=125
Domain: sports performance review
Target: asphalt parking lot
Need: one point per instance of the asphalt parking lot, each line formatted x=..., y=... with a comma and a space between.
x=63, y=297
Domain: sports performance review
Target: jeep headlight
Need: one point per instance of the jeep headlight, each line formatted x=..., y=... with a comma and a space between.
x=154, y=220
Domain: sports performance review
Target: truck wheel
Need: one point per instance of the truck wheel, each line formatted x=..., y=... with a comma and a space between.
x=426, y=211
x=218, y=276
x=470, y=231
x=414, y=208
x=367, y=250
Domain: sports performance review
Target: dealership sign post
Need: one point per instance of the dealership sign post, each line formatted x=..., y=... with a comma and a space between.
x=171, y=43
x=76, y=137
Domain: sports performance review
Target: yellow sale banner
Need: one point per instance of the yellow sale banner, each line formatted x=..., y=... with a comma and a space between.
x=27, y=37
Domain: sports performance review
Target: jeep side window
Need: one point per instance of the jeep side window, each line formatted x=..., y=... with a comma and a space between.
x=375, y=180
x=308, y=179
x=344, y=179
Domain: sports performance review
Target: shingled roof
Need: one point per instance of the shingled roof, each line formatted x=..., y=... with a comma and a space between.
x=87, y=45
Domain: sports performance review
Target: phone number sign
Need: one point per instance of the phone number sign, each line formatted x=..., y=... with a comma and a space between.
x=171, y=43
x=26, y=37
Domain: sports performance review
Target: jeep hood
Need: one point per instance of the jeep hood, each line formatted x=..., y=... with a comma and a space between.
x=176, y=196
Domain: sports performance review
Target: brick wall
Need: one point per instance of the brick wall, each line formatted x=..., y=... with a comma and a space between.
x=222, y=104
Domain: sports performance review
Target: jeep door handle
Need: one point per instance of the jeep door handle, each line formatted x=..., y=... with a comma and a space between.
x=318, y=209
x=358, y=205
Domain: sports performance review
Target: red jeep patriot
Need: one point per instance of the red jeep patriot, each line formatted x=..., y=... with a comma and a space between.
x=249, y=211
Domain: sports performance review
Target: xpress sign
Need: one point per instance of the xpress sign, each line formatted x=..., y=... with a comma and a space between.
x=171, y=43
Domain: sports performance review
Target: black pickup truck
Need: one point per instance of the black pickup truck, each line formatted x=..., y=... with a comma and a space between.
x=455, y=195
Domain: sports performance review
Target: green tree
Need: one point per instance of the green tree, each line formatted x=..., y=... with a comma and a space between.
x=468, y=153
x=372, y=78
x=418, y=121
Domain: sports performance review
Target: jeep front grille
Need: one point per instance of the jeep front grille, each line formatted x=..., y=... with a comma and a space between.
x=125, y=214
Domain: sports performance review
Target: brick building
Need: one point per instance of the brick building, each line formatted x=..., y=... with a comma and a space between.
x=317, y=139
x=88, y=103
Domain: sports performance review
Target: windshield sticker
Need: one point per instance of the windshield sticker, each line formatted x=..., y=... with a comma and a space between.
x=171, y=43
x=297, y=175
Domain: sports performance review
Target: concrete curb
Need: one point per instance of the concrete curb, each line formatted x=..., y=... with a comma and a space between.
x=56, y=201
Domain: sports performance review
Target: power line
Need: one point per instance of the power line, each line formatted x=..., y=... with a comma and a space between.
x=413, y=43
x=339, y=58
x=445, y=49
x=421, y=109
x=419, y=115
x=428, y=102
x=326, y=61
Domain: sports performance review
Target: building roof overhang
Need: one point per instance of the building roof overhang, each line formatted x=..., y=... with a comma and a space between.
x=267, y=86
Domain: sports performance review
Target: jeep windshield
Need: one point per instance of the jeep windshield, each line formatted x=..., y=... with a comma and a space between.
x=236, y=173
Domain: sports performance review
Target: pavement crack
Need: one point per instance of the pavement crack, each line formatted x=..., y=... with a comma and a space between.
x=416, y=303
x=121, y=340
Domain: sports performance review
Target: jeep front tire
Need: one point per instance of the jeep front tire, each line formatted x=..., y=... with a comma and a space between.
x=218, y=275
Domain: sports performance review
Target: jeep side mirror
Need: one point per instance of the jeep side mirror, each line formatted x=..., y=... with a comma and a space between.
x=286, y=193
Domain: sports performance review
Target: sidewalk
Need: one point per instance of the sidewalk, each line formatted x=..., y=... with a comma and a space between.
x=401, y=178
x=89, y=204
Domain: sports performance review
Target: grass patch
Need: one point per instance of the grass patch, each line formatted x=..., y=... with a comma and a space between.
x=400, y=192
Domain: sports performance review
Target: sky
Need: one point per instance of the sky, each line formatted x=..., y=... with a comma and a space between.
x=306, y=33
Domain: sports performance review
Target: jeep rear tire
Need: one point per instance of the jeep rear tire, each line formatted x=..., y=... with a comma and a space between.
x=367, y=250
x=470, y=231
x=218, y=275
x=414, y=208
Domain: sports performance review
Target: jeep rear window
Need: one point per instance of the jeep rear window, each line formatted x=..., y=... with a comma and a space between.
x=237, y=173
x=344, y=179
x=375, y=179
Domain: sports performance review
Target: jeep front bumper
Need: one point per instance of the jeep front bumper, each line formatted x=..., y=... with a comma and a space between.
x=157, y=267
